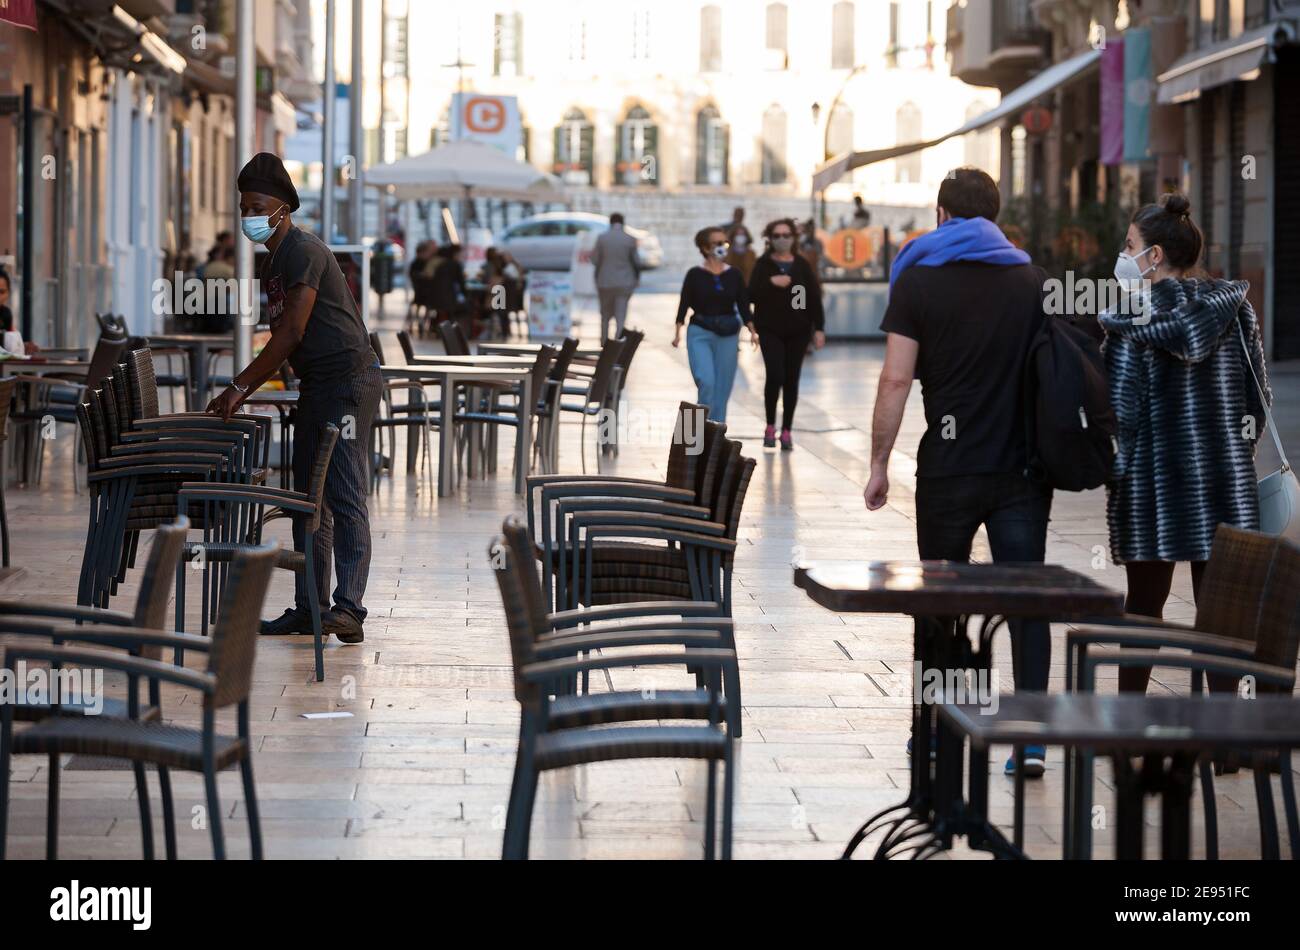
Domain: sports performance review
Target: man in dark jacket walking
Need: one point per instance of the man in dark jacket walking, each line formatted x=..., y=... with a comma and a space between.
x=618, y=271
x=964, y=306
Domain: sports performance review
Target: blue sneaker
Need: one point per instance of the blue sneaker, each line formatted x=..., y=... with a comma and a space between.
x=1035, y=762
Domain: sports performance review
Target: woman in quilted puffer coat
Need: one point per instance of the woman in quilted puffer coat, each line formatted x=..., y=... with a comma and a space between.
x=1188, y=409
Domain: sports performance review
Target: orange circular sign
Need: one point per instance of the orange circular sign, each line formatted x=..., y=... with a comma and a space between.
x=849, y=248
x=484, y=115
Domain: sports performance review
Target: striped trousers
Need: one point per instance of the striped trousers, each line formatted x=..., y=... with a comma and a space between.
x=344, y=533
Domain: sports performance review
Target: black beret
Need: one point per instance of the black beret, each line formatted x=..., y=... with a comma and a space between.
x=265, y=175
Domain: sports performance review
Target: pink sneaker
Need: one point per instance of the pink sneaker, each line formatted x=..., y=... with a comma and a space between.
x=769, y=437
x=786, y=443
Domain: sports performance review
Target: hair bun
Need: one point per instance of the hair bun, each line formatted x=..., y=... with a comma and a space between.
x=1178, y=204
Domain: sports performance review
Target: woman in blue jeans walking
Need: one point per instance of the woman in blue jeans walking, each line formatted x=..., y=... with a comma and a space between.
x=714, y=293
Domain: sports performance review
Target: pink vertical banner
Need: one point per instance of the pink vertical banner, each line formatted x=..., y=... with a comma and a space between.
x=1112, y=102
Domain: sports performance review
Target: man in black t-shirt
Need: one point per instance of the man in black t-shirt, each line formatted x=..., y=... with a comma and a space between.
x=316, y=327
x=960, y=320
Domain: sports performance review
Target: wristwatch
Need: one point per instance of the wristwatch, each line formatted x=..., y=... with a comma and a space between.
x=242, y=390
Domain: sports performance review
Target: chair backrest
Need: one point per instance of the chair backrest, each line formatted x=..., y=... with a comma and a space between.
x=156, y=581
x=142, y=385
x=105, y=357
x=7, y=386
x=541, y=369
x=1232, y=588
x=1278, y=640
x=603, y=374
x=563, y=359
x=631, y=343
x=234, y=638
x=320, y=467
x=520, y=609
x=736, y=496
x=112, y=326
x=709, y=465
x=687, y=446
x=94, y=430
x=408, y=348
x=378, y=347
x=454, y=340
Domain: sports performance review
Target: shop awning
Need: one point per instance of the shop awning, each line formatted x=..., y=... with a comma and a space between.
x=1012, y=103
x=1223, y=62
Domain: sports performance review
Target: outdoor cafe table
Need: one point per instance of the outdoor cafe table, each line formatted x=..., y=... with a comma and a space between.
x=1171, y=734
x=448, y=378
x=502, y=362
x=285, y=402
x=198, y=346
x=525, y=349
x=944, y=599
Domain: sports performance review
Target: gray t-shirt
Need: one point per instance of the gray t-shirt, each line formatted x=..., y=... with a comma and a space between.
x=335, y=343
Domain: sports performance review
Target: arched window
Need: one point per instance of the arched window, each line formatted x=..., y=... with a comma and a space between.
x=574, y=141
x=711, y=38
x=839, y=131
x=778, y=45
x=711, y=147
x=907, y=168
x=842, y=52
x=980, y=145
x=636, y=157
x=774, y=171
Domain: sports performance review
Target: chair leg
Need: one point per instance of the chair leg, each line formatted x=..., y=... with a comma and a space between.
x=314, y=605
x=250, y=805
x=1211, y=811
x=4, y=792
x=728, y=793
x=4, y=516
x=711, y=812
x=169, y=812
x=146, y=819
x=51, y=810
x=519, y=813
x=214, y=811
x=1289, y=804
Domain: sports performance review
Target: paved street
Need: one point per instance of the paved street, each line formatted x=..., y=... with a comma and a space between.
x=421, y=767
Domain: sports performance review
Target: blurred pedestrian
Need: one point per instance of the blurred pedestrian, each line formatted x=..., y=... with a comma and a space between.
x=447, y=287
x=861, y=216
x=810, y=246
x=787, y=301
x=493, y=277
x=1180, y=365
x=618, y=271
x=714, y=294
x=741, y=254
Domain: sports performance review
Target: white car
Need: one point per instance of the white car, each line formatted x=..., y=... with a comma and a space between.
x=545, y=241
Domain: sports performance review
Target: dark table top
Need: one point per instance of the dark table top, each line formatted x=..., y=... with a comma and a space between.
x=949, y=588
x=1131, y=722
x=274, y=397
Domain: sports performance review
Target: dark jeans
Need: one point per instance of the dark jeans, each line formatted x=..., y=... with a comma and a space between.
x=344, y=533
x=1014, y=511
x=783, y=361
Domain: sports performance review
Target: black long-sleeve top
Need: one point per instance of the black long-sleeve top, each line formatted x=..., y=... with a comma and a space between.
x=713, y=294
x=775, y=309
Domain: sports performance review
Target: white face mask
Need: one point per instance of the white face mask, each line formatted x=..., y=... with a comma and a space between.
x=1128, y=272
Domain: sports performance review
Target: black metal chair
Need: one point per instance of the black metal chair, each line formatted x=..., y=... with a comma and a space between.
x=494, y=414
x=225, y=535
x=227, y=681
x=559, y=730
x=454, y=340
x=595, y=393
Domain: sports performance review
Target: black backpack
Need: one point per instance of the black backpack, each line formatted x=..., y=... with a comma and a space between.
x=1070, y=424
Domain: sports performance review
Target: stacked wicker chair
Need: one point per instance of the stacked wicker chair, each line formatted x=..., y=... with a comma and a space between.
x=559, y=728
x=227, y=681
x=140, y=634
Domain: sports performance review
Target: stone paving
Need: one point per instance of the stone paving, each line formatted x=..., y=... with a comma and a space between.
x=422, y=766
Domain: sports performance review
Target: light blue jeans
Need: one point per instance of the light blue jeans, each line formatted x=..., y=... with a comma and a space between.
x=713, y=364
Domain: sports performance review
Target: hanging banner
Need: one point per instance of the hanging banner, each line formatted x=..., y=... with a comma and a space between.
x=1139, y=90
x=19, y=12
x=1112, y=103
x=492, y=120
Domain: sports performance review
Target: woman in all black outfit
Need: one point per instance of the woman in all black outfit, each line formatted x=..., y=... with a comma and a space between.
x=788, y=314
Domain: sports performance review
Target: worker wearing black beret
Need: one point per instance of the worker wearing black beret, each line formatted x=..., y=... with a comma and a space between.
x=316, y=327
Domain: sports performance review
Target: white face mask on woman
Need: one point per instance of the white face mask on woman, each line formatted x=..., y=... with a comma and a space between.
x=1128, y=272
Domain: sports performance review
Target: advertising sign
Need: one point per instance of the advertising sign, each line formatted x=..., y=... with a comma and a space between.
x=492, y=120
x=550, y=302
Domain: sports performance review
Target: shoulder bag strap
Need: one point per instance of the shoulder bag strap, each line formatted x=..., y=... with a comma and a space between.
x=1263, y=398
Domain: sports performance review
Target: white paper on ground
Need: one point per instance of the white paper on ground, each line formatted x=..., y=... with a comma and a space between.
x=327, y=715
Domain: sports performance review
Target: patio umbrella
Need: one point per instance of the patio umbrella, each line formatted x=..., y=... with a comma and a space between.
x=464, y=170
